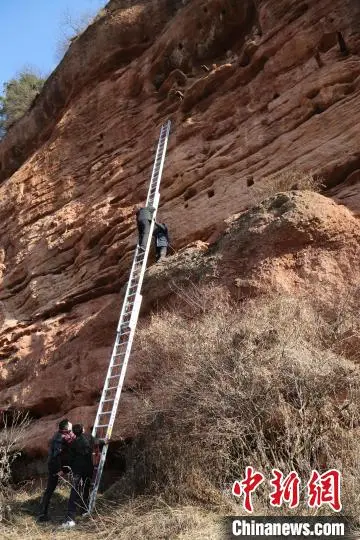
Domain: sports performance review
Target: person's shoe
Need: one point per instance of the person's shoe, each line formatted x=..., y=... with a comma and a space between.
x=141, y=248
x=43, y=518
x=68, y=524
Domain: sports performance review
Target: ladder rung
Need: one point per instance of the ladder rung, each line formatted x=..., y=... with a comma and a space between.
x=101, y=425
x=107, y=412
x=111, y=388
x=115, y=376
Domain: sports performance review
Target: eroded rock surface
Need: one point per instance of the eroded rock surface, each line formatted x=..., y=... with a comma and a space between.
x=266, y=86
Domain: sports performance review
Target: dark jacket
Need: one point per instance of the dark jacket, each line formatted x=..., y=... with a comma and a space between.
x=145, y=214
x=81, y=456
x=58, y=456
x=161, y=235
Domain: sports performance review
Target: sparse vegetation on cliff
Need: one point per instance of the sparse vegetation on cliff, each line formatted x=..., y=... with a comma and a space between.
x=270, y=383
x=19, y=93
x=73, y=26
x=289, y=180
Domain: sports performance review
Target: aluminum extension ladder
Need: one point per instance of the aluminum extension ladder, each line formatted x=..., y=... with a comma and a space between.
x=114, y=381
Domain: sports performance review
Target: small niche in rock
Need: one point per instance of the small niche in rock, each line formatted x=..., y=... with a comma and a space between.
x=199, y=26
x=276, y=95
x=318, y=109
x=189, y=193
x=263, y=61
x=244, y=60
x=186, y=205
x=312, y=93
x=223, y=12
x=211, y=193
x=250, y=182
x=68, y=365
x=95, y=397
x=158, y=80
x=205, y=9
x=180, y=46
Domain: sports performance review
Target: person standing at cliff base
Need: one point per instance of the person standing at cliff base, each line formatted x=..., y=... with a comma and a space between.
x=81, y=464
x=161, y=238
x=143, y=220
x=58, y=461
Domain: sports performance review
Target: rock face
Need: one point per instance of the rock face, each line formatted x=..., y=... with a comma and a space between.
x=265, y=85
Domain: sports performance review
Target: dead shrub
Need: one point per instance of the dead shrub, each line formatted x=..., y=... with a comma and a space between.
x=14, y=425
x=290, y=180
x=254, y=385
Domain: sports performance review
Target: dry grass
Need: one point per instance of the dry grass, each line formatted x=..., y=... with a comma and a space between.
x=264, y=384
x=289, y=180
x=136, y=519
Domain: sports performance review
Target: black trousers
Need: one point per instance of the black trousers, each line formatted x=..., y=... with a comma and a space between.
x=143, y=230
x=79, y=495
x=161, y=252
x=52, y=482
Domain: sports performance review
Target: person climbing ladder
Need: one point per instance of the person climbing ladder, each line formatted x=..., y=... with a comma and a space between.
x=143, y=219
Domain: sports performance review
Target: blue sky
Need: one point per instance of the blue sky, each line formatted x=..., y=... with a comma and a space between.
x=31, y=31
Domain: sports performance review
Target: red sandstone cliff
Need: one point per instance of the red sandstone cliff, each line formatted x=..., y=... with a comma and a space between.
x=282, y=94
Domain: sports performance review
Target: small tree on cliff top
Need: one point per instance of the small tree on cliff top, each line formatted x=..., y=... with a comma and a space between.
x=18, y=94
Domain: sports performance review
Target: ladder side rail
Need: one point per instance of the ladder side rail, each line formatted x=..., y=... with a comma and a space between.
x=154, y=172
x=156, y=178
x=115, y=347
x=126, y=295
x=104, y=391
x=164, y=131
x=163, y=156
x=120, y=383
x=111, y=421
x=99, y=471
